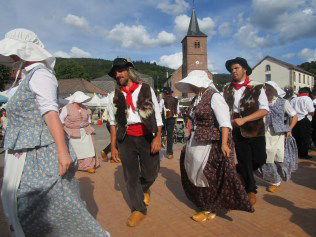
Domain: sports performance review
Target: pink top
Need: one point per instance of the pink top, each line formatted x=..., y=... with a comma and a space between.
x=76, y=119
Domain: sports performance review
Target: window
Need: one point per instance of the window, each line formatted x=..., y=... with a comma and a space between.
x=268, y=68
x=299, y=77
x=304, y=79
x=197, y=44
x=268, y=77
x=294, y=79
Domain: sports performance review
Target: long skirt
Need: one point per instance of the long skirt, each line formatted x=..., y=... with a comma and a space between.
x=46, y=204
x=84, y=150
x=225, y=191
x=276, y=172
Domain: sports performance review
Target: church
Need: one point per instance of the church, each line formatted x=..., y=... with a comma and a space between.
x=194, y=51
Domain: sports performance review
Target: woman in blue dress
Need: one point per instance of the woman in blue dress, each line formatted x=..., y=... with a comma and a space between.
x=40, y=194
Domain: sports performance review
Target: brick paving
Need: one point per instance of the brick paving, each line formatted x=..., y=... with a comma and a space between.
x=291, y=211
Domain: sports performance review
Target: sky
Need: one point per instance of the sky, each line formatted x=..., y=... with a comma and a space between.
x=152, y=30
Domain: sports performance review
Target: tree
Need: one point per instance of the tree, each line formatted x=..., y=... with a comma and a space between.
x=4, y=75
x=309, y=66
x=69, y=69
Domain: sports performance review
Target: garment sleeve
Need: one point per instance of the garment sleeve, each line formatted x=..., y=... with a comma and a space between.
x=161, y=105
x=263, y=101
x=63, y=114
x=178, y=108
x=44, y=84
x=156, y=107
x=309, y=105
x=289, y=109
x=111, y=110
x=221, y=110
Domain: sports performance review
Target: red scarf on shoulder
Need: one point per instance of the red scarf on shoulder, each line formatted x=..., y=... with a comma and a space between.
x=129, y=92
x=237, y=86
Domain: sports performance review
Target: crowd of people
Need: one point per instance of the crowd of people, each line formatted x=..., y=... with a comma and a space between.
x=249, y=129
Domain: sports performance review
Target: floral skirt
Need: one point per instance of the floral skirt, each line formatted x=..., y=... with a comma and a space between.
x=50, y=205
x=225, y=191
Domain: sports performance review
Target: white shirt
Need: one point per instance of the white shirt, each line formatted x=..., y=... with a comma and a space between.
x=263, y=100
x=221, y=110
x=303, y=105
x=133, y=116
x=44, y=84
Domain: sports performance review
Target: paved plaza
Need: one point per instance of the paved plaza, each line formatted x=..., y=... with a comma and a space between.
x=291, y=211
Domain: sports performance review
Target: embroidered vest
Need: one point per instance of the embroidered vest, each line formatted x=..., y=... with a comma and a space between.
x=145, y=108
x=171, y=104
x=76, y=120
x=26, y=127
x=207, y=128
x=276, y=117
x=249, y=104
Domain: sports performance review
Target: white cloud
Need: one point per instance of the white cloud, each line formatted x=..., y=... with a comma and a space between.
x=225, y=29
x=291, y=19
x=207, y=25
x=173, y=7
x=288, y=55
x=75, y=52
x=173, y=61
x=61, y=54
x=248, y=36
x=308, y=54
x=136, y=36
x=76, y=21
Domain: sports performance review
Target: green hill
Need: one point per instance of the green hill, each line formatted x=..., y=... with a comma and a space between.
x=89, y=68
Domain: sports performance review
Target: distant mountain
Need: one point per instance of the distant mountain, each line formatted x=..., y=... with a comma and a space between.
x=309, y=66
x=90, y=68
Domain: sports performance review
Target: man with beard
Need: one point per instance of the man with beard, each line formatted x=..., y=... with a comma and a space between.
x=248, y=105
x=136, y=124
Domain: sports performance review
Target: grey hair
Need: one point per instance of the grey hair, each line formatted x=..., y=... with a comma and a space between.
x=134, y=75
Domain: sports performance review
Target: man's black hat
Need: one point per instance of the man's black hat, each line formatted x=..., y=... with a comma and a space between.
x=241, y=61
x=119, y=63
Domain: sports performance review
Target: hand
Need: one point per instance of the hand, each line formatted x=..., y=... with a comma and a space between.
x=289, y=134
x=64, y=161
x=239, y=122
x=115, y=155
x=226, y=150
x=155, y=145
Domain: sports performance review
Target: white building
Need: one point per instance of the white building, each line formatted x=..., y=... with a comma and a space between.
x=284, y=74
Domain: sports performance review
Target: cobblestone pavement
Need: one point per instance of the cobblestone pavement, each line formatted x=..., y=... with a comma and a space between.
x=291, y=211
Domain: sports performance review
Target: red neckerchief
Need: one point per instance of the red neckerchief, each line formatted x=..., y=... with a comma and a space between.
x=302, y=94
x=237, y=86
x=129, y=100
x=168, y=94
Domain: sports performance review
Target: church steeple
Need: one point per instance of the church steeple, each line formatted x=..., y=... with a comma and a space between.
x=194, y=29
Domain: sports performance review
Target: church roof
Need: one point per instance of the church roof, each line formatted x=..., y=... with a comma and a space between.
x=194, y=29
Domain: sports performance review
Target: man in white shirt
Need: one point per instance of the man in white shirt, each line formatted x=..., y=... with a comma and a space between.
x=302, y=131
x=136, y=123
x=248, y=104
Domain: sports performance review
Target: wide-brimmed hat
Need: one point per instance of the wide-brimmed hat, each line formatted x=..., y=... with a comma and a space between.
x=118, y=63
x=196, y=78
x=78, y=97
x=26, y=45
x=243, y=62
x=281, y=93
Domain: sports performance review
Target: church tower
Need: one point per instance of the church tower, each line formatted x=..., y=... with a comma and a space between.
x=194, y=51
x=194, y=48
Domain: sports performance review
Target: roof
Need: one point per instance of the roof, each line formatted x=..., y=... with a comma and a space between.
x=105, y=85
x=69, y=86
x=194, y=29
x=285, y=64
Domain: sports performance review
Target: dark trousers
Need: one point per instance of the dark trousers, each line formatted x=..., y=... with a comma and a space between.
x=251, y=155
x=170, y=123
x=107, y=149
x=302, y=134
x=140, y=168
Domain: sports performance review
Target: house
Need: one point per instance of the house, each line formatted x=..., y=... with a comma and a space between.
x=283, y=73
